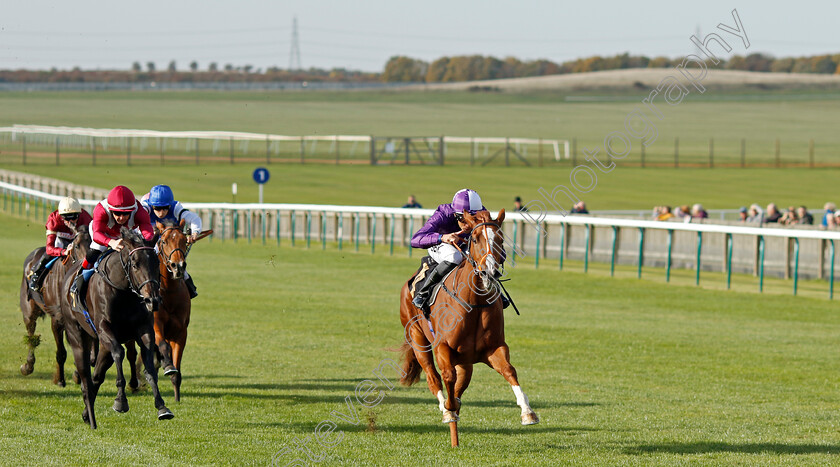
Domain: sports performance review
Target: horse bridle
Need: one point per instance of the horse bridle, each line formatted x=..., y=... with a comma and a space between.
x=477, y=270
x=126, y=266
x=168, y=257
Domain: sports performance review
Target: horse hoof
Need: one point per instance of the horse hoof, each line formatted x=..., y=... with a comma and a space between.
x=170, y=371
x=26, y=369
x=61, y=384
x=165, y=414
x=85, y=417
x=530, y=418
x=134, y=386
x=120, y=406
x=449, y=416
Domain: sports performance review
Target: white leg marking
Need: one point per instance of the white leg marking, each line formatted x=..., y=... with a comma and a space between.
x=441, y=400
x=521, y=400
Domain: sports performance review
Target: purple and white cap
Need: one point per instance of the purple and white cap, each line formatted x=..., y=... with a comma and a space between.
x=467, y=200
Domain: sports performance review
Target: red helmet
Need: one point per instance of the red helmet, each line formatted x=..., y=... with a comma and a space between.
x=121, y=199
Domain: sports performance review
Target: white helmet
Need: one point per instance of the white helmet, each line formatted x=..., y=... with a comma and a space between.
x=69, y=206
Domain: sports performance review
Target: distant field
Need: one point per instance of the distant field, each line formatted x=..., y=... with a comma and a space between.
x=624, y=188
x=759, y=119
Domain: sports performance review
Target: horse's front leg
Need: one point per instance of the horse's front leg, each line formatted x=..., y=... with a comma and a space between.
x=131, y=356
x=499, y=360
x=445, y=360
x=464, y=375
x=30, y=320
x=145, y=338
x=60, y=352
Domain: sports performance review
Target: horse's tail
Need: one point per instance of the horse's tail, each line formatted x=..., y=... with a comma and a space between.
x=411, y=367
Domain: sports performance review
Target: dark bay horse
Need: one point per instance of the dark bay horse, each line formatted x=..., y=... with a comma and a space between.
x=468, y=323
x=173, y=316
x=47, y=301
x=121, y=296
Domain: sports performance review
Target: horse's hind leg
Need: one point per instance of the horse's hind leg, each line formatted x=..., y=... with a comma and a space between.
x=146, y=341
x=81, y=354
x=421, y=348
x=30, y=319
x=131, y=356
x=60, y=352
x=499, y=360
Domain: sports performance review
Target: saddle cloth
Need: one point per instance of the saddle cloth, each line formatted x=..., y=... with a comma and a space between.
x=427, y=264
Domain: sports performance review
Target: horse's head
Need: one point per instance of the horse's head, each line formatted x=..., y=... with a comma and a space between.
x=80, y=244
x=140, y=263
x=486, y=244
x=172, y=247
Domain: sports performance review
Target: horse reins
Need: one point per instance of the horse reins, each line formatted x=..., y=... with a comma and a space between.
x=477, y=270
x=126, y=266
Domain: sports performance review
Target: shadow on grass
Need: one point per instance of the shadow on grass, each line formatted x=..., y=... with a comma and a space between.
x=745, y=448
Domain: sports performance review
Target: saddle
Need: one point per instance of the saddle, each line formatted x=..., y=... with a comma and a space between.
x=81, y=306
x=427, y=264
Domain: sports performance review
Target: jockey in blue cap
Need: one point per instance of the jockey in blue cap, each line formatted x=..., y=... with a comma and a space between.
x=161, y=204
x=440, y=233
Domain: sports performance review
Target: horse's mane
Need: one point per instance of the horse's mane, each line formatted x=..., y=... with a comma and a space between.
x=168, y=223
x=131, y=236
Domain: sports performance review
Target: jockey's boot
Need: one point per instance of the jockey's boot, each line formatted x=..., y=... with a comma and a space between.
x=37, y=274
x=505, y=302
x=191, y=287
x=421, y=296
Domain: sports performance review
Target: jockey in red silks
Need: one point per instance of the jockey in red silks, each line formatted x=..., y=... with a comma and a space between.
x=120, y=209
x=160, y=203
x=61, y=229
x=440, y=233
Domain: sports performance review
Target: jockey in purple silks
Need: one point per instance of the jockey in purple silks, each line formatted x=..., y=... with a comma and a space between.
x=439, y=235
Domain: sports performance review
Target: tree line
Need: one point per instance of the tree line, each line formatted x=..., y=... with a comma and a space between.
x=406, y=69
x=479, y=67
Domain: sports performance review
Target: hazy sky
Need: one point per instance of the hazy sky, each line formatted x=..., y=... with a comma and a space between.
x=364, y=34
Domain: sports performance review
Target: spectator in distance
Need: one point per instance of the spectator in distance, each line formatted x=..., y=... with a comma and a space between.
x=698, y=212
x=412, y=203
x=773, y=214
x=684, y=211
x=517, y=205
x=742, y=214
x=580, y=208
x=828, y=217
x=664, y=213
x=755, y=214
x=789, y=217
x=803, y=216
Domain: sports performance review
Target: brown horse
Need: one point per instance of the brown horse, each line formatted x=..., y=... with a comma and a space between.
x=121, y=296
x=47, y=301
x=468, y=322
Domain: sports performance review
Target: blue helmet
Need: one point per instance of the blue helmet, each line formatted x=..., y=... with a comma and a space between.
x=161, y=195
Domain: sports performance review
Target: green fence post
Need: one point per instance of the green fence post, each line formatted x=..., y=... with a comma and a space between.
x=515, y=231
x=278, y=227
x=358, y=223
x=323, y=230
x=831, y=274
x=392, y=235
x=761, y=264
x=235, y=215
x=293, y=219
x=562, y=244
x=668, y=260
x=612, y=254
x=795, y=264
x=263, y=223
x=729, y=243
x=699, y=249
x=641, y=251
x=250, y=221
x=586, y=250
x=537, y=252
x=373, y=235
x=223, y=226
x=410, y=229
x=308, y=228
x=340, y=230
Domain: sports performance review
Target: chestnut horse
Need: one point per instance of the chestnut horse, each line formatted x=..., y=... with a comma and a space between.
x=468, y=322
x=47, y=300
x=121, y=296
